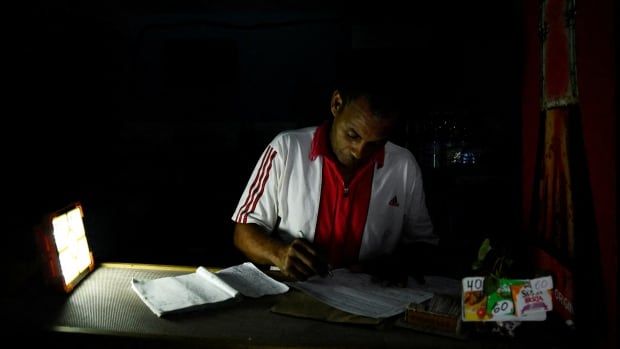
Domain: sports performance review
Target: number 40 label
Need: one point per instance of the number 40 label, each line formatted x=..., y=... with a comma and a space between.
x=475, y=283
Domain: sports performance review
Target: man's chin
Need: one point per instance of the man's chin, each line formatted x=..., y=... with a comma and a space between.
x=347, y=165
x=350, y=167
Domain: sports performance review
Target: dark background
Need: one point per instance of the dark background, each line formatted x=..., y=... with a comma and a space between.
x=153, y=114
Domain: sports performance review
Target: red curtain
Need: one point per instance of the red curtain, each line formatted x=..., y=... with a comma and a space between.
x=595, y=74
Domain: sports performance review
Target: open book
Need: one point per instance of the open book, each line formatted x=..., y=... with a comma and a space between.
x=204, y=289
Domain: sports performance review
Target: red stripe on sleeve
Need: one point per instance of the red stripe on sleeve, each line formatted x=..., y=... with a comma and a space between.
x=262, y=186
x=259, y=173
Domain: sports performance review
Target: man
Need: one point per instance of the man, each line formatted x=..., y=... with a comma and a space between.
x=336, y=195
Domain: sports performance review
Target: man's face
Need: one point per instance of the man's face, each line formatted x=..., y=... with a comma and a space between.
x=356, y=134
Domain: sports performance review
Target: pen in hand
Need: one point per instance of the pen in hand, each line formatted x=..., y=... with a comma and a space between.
x=322, y=266
x=325, y=267
x=329, y=270
x=326, y=271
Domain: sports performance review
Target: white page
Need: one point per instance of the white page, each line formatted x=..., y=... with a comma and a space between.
x=251, y=281
x=176, y=293
x=357, y=294
x=214, y=279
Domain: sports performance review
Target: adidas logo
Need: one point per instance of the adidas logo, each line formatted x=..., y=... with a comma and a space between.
x=394, y=202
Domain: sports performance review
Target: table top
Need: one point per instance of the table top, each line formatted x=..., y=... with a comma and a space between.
x=104, y=304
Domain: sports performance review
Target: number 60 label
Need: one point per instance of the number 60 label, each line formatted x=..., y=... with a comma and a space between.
x=503, y=307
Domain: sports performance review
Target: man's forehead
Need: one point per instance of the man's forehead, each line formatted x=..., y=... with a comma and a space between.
x=362, y=105
x=370, y=127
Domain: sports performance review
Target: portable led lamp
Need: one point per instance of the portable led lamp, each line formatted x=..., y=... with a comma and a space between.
x=67, y=256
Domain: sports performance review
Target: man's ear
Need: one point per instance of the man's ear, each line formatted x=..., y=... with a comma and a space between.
x=336, y=103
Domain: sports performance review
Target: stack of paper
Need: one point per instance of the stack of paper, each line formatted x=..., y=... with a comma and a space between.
x=204, y=289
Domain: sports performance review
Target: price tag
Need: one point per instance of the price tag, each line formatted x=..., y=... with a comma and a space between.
x=503, y=307
x=534, y=296
x=473, y=284
x=543, y=283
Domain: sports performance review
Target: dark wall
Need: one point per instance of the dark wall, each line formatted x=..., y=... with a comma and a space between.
x=153, y=115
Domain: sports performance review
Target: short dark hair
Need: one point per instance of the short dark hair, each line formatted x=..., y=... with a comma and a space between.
x=363, y=74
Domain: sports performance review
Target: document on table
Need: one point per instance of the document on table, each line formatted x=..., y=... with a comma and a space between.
x=357, y=294
x=204, y=289
x=251, y=281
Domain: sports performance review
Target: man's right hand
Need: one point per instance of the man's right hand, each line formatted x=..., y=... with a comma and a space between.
x=297, y=260
x=300, y=260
